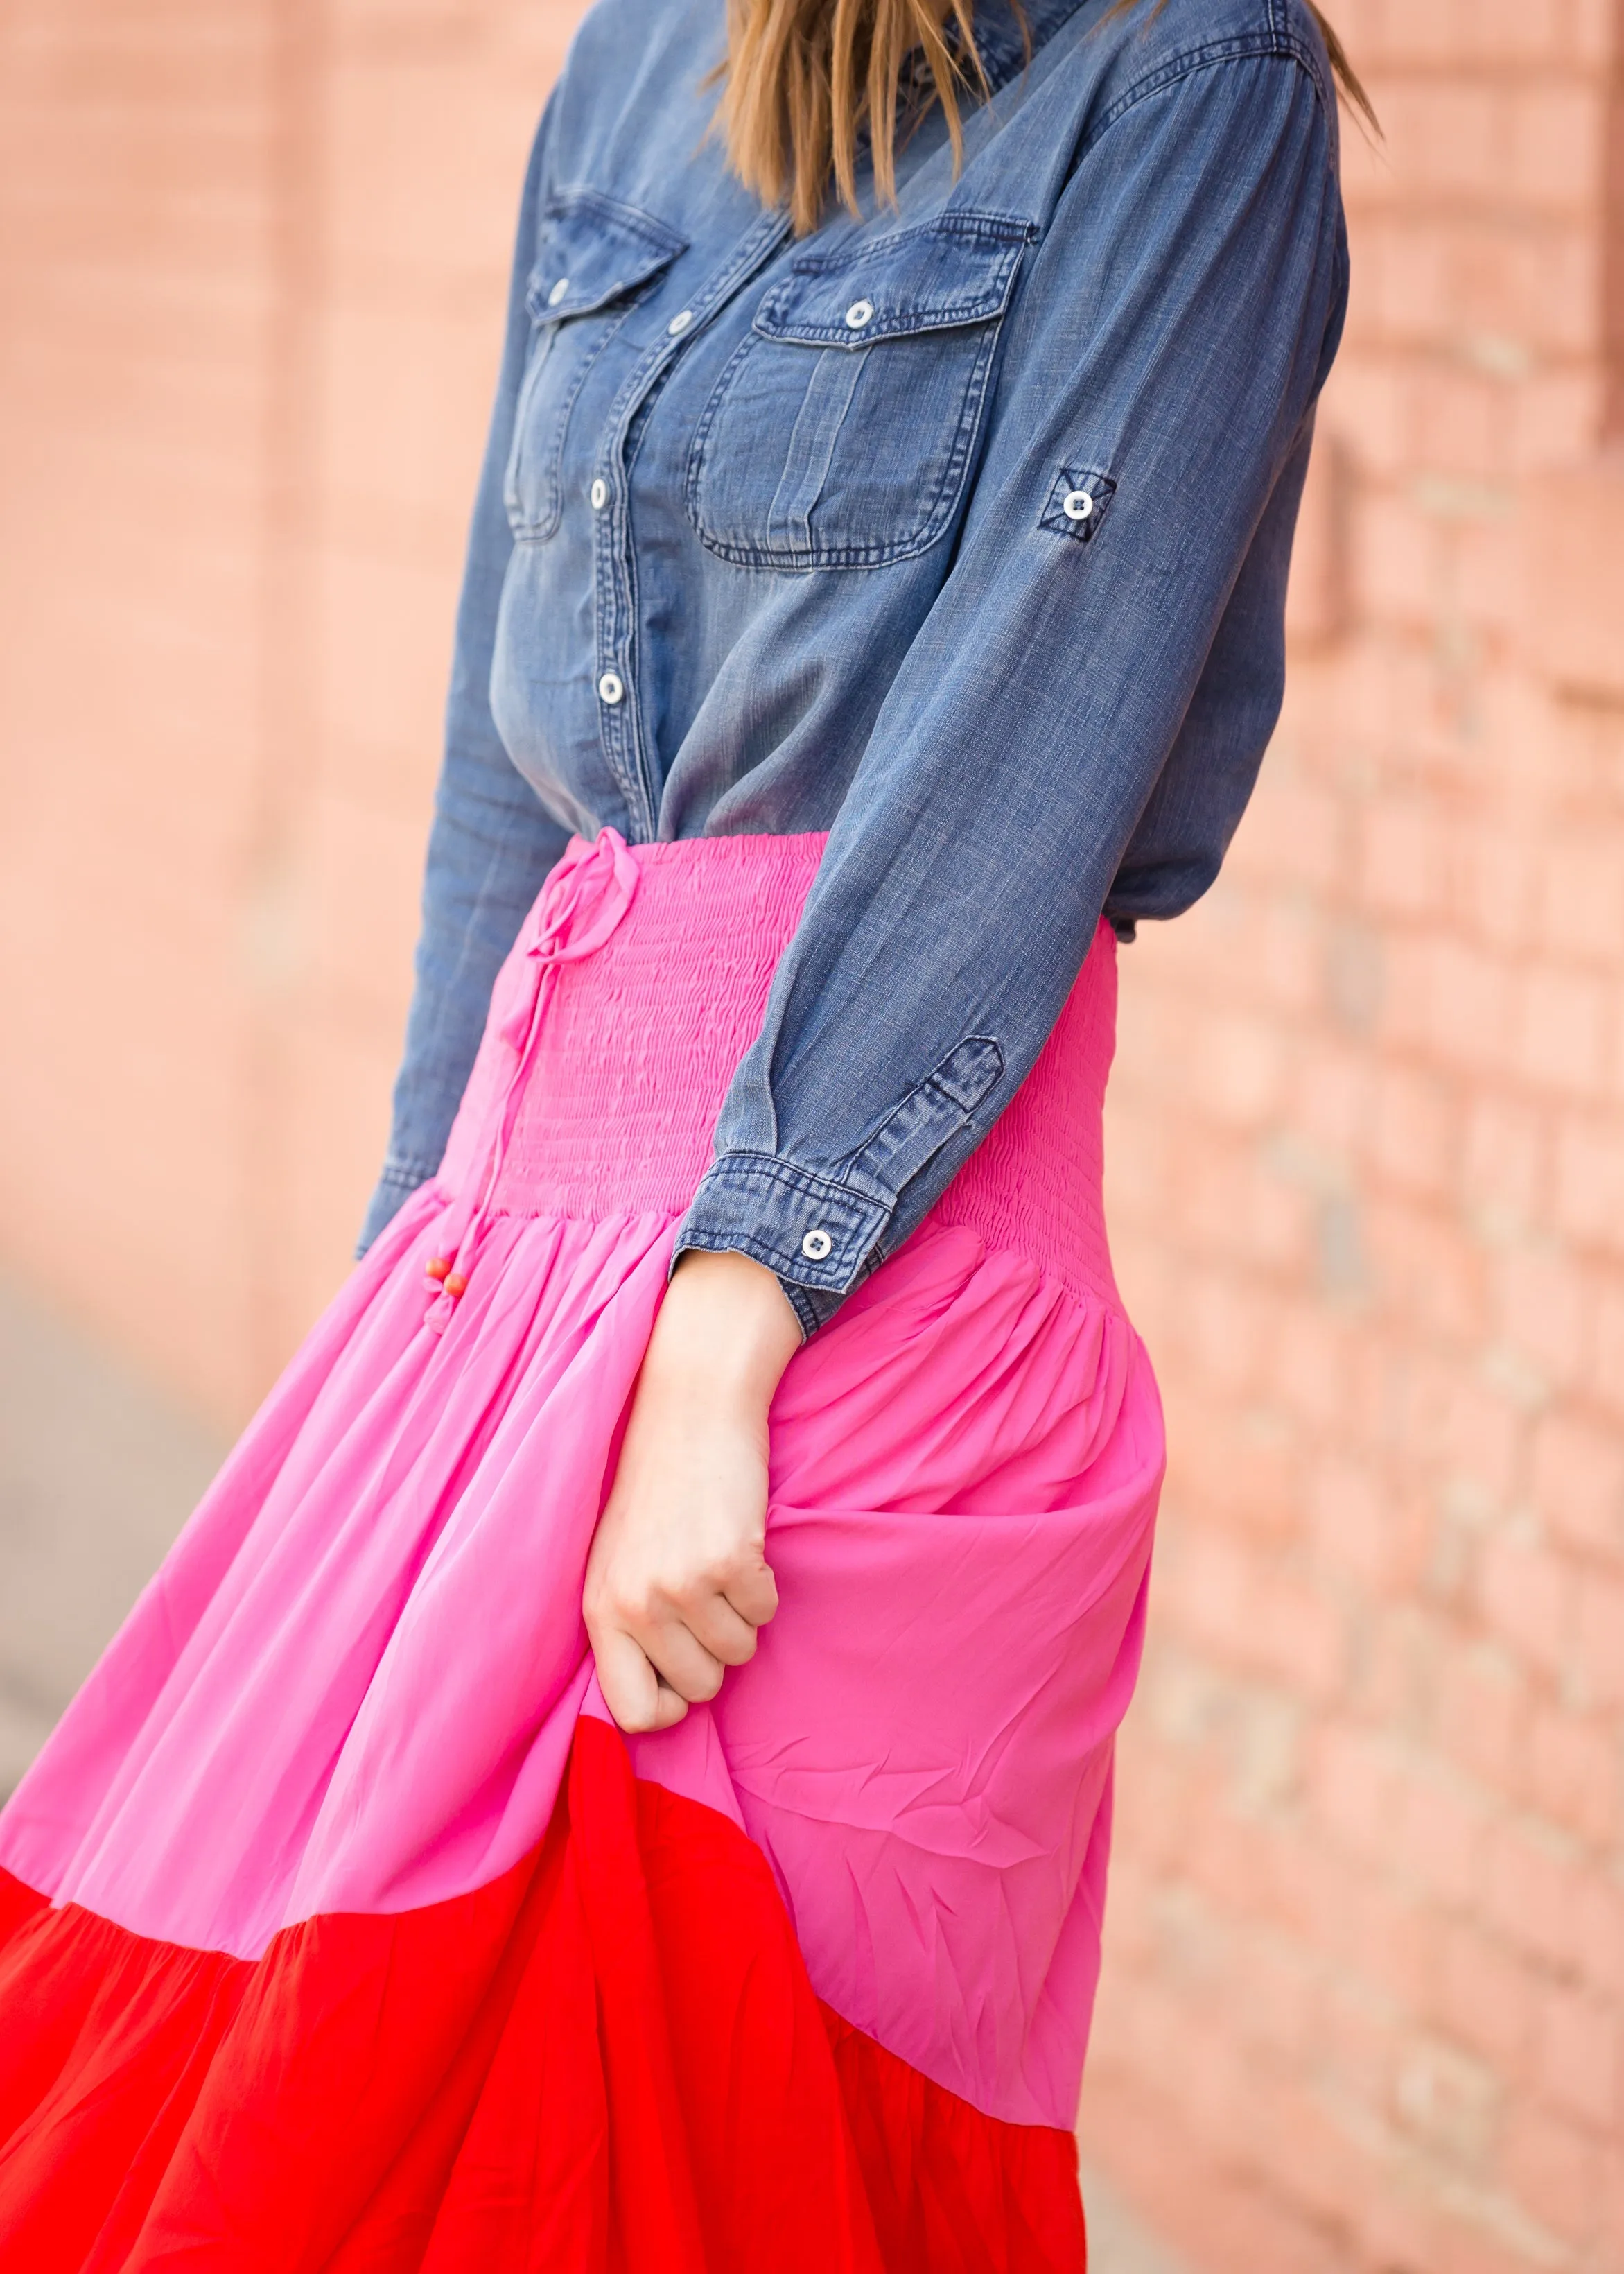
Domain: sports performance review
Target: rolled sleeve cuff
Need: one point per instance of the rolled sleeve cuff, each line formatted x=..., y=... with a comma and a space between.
x=819, y=1238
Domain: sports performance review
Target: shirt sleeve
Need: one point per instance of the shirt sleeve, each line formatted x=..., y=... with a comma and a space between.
x=1162, y=361
x=492, y=843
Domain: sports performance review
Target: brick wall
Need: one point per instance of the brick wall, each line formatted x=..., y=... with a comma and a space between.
x=253, y=260
x=135, y=220
x=1364, y=1987
x=1365, y=1981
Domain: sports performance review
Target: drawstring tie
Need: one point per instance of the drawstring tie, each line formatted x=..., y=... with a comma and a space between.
x=581, y=904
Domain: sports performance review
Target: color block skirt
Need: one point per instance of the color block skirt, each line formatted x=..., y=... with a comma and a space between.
x=339, y=1928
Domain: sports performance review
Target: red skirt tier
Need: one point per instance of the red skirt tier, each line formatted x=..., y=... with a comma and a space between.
x=610, y=2058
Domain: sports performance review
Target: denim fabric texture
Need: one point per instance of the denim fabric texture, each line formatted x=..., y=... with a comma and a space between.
x=960, y=531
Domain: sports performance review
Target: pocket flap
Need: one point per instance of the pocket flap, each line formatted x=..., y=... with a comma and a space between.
x=592, y=250
x=958, y=269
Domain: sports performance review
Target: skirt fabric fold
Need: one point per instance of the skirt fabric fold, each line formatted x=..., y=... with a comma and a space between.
x=340, y=1930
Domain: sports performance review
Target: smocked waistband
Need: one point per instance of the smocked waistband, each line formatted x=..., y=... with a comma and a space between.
x=636, y=985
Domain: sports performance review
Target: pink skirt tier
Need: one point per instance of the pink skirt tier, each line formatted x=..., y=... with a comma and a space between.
x=354, y=1685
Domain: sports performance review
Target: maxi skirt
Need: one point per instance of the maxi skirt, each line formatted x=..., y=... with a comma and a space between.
x=340, y=1928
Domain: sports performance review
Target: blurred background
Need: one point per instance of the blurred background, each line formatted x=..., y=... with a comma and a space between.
x=1363, y=2004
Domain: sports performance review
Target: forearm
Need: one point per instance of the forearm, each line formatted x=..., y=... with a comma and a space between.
x=724, y=1336
x=678, y=1580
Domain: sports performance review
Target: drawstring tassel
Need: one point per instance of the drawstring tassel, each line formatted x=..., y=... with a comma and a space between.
x=446, y=1286
x=581, y=904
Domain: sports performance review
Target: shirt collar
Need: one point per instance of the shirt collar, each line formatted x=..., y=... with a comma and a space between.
x=1000, y=42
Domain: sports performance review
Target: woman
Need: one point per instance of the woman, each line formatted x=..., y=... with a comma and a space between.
x=874, y=609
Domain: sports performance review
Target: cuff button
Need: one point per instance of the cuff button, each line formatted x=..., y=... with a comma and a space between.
x=817, y=1245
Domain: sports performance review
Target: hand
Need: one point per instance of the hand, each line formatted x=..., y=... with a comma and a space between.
x=677, y=1582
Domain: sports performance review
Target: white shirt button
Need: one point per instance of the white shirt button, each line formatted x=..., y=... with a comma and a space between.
x=558, y=291
x=680, y=322
x=1077, y=505
x=611, y=687
x=817, y=1245
x=860, y=313
x=599, y=494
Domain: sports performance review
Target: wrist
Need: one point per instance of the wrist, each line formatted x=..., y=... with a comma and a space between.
x=725, y=1333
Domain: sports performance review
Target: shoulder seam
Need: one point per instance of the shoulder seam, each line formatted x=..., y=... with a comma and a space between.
x=1240, y=48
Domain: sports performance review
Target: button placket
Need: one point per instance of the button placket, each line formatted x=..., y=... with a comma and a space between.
x=620, y=729
x=612, y=685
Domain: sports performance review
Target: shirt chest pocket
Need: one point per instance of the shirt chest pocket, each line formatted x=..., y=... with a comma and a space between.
x=842, y=432
x=594, y=260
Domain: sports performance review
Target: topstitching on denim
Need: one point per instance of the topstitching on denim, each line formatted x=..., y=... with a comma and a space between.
x=958, y=530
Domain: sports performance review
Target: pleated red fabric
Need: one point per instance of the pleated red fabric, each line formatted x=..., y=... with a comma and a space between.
x=611, y=2059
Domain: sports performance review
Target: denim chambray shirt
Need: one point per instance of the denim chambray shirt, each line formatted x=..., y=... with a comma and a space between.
x=960, y=532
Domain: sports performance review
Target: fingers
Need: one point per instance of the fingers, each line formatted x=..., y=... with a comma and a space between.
x=679, y=1657
x=640, y=1656
x=628, y=1683
x=718, y=1629
x=633, y=1692
x=677, y=1583
x=753, y=1594
x=650, y=1670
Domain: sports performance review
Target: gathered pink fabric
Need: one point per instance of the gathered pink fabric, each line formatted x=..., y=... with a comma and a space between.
x=354, y=1683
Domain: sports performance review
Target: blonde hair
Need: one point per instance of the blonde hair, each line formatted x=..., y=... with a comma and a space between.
x=804, y=80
